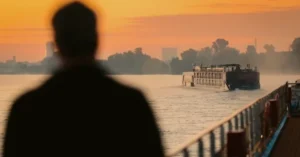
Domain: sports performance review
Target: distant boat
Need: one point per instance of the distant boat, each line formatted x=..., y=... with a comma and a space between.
x=229, y=76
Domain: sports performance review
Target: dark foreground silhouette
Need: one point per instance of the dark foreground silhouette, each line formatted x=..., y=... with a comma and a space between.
x=80, y=111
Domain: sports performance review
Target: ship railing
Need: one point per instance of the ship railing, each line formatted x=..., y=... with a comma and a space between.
x=294, y=107
x=251, y=121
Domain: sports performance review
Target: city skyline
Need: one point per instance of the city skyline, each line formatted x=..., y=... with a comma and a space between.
x=153, y=25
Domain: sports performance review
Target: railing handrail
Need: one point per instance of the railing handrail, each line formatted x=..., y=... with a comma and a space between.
x=195, y=139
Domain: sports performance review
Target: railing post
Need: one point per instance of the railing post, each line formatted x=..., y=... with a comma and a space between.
x=286, y=89
x=273, y=113
x=289, y=100
x=212, y=144
x=242, y=120
x=251, y=128
x=230, y=125
x=186, y=153
x=247, y=117
x=236, y=123
x=266, y=121
x=236, y=145
x=200, y=148
x=222, y=134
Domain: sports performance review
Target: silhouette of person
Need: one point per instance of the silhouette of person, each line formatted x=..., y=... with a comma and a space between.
x=80, y=111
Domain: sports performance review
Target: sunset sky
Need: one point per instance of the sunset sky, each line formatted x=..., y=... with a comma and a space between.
x=154, y=24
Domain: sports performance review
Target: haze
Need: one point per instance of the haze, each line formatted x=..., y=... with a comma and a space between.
x=24, y=25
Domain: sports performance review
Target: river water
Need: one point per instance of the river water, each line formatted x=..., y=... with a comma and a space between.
x=181, y=112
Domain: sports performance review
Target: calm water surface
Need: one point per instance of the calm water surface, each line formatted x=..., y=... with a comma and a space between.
x=181, y=112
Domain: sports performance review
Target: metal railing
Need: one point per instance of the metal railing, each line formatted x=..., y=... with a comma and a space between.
x=251, y=118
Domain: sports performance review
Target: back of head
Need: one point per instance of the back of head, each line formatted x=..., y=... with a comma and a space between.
x=75, y=30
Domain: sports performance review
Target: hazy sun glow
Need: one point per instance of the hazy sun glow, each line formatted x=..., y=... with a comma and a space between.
x=153, y=24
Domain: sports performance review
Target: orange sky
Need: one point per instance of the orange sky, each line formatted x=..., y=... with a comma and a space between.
x=153, y=24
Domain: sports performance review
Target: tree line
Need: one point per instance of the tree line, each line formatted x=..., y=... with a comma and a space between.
x=137, y=62
x=221, y=53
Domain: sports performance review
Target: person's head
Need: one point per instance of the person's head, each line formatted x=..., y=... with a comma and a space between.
x=75, y=32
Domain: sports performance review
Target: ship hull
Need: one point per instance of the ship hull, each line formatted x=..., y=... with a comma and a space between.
x=243, y=80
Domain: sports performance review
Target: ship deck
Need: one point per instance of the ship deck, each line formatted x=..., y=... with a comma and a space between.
x=289, y=140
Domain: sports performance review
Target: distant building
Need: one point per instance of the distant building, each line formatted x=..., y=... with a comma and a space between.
x=168, y=54
x=12, y=61
x=49, y=49
x=50, y=62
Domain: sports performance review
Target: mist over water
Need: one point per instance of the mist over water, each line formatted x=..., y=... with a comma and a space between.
x=181, y=112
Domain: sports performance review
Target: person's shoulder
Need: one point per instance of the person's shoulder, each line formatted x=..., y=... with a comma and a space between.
x=25, y=99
